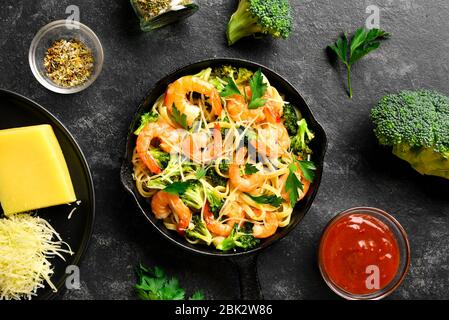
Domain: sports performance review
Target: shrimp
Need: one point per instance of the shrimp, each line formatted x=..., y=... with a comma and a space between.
x=233, y=211
x=274, y=106
x=167, y=137
x=271, y=112
x=199, y=148
x=238, y=109
x=266, y=230
x=272, y=140
x=246, y=183
x=163, y=204
x=178, y=91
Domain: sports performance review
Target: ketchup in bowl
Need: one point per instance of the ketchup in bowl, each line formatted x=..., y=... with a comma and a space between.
x=362, y=253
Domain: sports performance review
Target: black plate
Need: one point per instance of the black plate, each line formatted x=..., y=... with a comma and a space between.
x=18, y=111
x=318, y=145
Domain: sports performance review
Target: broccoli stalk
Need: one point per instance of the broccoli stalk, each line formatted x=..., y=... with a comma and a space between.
x=239, y=238
x=194, y=195
x=199, y=231
x=299, y=143
x=268, y=17
x=416, y=125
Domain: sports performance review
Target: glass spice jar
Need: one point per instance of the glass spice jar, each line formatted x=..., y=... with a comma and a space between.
x=154, y=14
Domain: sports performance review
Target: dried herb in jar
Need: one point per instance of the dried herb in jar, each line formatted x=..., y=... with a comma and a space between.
x=154, y=14
x=69, y=63
x=152, y=8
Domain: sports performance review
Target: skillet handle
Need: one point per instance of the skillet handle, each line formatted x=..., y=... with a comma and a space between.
x=248, y=276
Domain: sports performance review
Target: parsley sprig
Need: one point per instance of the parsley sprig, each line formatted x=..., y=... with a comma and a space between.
x=362, y=43
x=230, y=89
x=293, y=184
x=153, y=284
x=179, y=118
x=258, y=89
x=271, y=199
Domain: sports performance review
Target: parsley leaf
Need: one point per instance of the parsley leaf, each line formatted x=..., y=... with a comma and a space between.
x=198, y=295
x=308, y=169
x=145, y=119
x=272, y=200
x=179, y=118
x=292, y=184
x=250, y=169
x=152, y=284
x=177, y=188
x=258, y=89
x=201, y=173
x=230, y=89
x=362, y=43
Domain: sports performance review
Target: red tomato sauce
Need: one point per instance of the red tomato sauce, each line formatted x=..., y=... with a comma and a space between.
x=351, y=246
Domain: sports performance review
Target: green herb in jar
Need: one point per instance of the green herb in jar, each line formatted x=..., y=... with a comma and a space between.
x=69, y=63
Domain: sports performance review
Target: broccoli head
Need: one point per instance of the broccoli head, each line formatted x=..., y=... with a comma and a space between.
x=239, y=238
x=162, y=158
x=416, y=125
x=198, y=231
x=255, y=17
x=145, y=119
x=193, y=197
x=240, y=75
x=290, y=119
x=299, y=143
x=214, y=201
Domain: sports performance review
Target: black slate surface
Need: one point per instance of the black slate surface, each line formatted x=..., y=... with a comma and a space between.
x=357, y=171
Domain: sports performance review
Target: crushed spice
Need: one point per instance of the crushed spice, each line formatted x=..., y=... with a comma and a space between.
x=69, y=63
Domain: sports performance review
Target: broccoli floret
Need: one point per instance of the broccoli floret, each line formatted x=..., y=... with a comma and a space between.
x=198, y=231
x=239, y=238
x=215, y=179
x=243, y=76
x=145, y=119
x=220, y=75
x=162, y=158
x=269, y=17
x=290, y=119
x=215, y=202
x=194, y=195
x=204, y=74
x=416, y=125
x=225, y=72
x=299, y=143
x=172, y=173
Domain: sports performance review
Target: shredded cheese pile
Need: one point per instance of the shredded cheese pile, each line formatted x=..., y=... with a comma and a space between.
x=27, y=244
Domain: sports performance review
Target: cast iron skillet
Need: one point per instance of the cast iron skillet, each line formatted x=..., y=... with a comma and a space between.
x=18, y=111
x=245, y=261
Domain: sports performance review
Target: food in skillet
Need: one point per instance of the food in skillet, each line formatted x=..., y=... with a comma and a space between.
x=222, y=158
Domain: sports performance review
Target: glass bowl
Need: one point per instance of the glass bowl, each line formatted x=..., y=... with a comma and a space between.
x=404, y=252
x=61, y=29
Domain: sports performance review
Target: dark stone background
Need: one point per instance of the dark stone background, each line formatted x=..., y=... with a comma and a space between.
x=357, y=171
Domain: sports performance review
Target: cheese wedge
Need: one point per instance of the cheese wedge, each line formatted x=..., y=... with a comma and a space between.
x=33, y=171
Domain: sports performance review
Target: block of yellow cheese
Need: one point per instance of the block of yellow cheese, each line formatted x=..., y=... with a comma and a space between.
x=33, y=171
